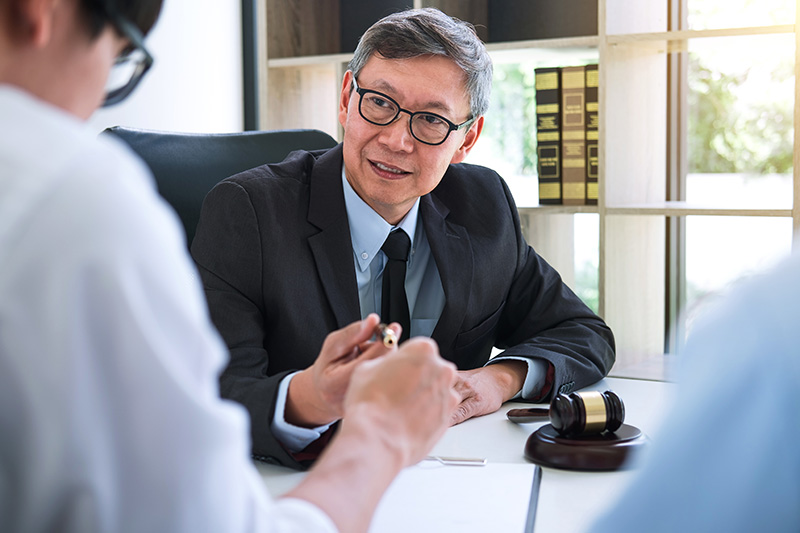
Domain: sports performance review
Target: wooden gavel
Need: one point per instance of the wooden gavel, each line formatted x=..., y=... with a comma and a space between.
x=578, y=413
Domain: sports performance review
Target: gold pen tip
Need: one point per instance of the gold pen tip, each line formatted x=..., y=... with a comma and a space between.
x=387, y=335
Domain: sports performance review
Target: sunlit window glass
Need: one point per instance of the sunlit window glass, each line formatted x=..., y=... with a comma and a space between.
x=714, y=14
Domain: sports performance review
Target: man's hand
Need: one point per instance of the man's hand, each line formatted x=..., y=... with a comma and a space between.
x=405, y=399
x=483, y=390
x=395, y=410
x=317, y=393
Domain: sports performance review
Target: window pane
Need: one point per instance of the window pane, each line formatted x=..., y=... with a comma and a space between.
x=721, y=251
x=739, y=145
x=570, y=244
x=740, y=121
x=587, y=259
x=508, y=141
x=712, y=14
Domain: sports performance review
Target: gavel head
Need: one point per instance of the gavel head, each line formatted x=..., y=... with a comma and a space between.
x=586, y=413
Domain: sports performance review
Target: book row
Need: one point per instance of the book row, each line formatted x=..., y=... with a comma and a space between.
x=566, y=134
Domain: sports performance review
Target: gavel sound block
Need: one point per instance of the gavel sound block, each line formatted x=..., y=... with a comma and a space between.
x=586, y=432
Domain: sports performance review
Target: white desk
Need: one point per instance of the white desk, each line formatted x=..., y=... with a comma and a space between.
x=568, y=501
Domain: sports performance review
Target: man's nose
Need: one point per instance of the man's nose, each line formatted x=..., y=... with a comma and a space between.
x=397, y=135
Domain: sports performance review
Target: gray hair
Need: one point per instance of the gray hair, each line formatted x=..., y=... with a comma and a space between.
x=428, y=31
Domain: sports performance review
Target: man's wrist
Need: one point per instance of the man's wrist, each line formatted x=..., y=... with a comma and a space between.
x=510, y=376
x=303, y=408
x=373, y=430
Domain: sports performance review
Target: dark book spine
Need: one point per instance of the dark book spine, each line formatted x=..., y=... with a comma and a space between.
x=573, y=135
x=548, y=134
x=592, y=118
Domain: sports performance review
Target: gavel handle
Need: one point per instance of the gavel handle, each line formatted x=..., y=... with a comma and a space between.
x=531, y=414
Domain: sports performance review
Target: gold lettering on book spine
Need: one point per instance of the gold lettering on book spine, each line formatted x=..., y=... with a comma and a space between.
x=549, y=190
x=547, y=81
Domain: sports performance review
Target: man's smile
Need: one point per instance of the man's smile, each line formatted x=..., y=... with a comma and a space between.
x=388, y=171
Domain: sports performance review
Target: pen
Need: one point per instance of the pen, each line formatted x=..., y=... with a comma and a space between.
x=530, y=414
x=457, y=461
x=386, y=334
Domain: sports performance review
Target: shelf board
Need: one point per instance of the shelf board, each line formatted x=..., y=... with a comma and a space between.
x=304, y=61
x=589, y=41
x=679, y=209
x=546, y=56
x=565, y=45
x=697, y=34
x=675, y=209
x=557, y=209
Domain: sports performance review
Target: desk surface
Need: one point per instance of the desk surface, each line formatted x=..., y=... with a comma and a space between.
x=568, y=501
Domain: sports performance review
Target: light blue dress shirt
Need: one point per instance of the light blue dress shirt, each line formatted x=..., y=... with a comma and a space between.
x=368, y=231
x=426, y=299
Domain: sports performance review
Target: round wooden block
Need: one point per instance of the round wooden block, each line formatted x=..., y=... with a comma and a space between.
x=606, y=451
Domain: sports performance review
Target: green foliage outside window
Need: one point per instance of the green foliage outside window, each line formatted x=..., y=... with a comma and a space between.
x=511, y=122
x=726, y=137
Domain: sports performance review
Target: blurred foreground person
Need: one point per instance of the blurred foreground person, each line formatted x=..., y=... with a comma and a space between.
x=727, y=458
x=110, y=416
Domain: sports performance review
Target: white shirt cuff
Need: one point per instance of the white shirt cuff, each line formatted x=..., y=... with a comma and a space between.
x=295, y=438
x=534, y=379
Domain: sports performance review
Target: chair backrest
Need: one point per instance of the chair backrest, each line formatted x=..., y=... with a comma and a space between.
x=186, y=166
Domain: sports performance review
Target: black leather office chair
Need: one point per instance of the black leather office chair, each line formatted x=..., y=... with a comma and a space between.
x=188, y=165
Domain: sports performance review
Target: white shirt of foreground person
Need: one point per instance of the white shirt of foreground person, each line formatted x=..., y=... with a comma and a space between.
x=728, y=457
x=110, y=418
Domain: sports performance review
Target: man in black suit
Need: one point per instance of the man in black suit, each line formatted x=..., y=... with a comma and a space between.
x=292, y=251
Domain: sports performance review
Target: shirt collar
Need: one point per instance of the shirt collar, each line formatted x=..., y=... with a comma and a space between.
x=368, y=230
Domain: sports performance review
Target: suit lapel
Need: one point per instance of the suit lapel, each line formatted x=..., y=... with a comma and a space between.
x=452, y=251
x=331, y=247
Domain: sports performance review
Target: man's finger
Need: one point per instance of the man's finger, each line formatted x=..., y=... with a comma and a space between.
x=372, y=350
x=462, y=412
x=343, y=341
x=390, y=334
x=379, y=337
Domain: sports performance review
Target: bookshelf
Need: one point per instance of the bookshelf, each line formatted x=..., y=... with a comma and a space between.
x=299, y=83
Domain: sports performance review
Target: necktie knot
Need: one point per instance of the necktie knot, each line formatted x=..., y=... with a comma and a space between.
x=397, y=245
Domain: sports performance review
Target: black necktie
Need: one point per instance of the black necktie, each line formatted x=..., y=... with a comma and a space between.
x=394, y=304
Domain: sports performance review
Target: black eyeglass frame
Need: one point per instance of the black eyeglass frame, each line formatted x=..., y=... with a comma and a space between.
x=452, y=126
x=134, y=36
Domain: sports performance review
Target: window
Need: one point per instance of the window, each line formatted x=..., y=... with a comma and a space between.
x=738, y=101
x=728, y=156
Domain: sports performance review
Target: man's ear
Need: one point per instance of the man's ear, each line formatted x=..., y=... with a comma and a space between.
x=470, y=139
x=344, y=97
x=32, y=20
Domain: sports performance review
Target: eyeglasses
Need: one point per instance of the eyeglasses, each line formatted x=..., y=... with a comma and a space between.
x=381, y=110
x=131, y=66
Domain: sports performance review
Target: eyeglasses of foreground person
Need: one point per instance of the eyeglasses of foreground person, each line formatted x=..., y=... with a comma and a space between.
x=381, y=110
x=131, y=66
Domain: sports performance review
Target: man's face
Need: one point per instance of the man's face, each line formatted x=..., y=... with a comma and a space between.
x=386, y=166
x=53, y=57
x=90, y=69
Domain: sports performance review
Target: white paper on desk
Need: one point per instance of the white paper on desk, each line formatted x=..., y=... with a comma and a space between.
x=430, y=497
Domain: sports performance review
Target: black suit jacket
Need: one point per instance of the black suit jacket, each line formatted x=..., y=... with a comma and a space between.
x=274, y=253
